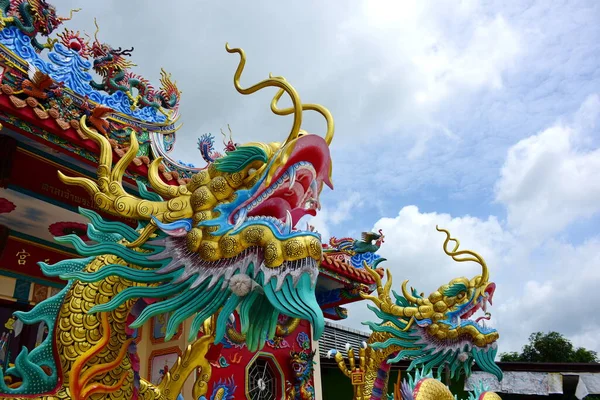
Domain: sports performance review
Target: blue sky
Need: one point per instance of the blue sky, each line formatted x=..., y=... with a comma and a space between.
x=478, y=116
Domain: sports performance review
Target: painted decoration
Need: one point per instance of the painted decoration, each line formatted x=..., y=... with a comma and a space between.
x=6, y=206
x=160, y=362
x=158, y=328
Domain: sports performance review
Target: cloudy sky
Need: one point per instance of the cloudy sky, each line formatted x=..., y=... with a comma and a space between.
x=481, y=117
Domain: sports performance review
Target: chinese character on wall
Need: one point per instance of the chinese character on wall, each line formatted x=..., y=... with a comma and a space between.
x=22, y=257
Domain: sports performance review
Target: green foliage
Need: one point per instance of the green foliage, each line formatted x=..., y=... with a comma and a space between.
x=551, y=347
x=510, y=357
x=239, y=158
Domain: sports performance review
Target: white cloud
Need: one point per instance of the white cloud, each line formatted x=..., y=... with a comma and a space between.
x=444, y=47
x=336, y=215
x=551, y=179
x=344, y=209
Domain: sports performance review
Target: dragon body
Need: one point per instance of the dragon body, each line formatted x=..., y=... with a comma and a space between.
x=224, y=242
x=31, y=17
x=423, y=386
x=112, y=65
x=433, y=331
x=303, y=367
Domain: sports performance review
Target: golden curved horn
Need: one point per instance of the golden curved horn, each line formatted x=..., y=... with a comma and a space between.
x=454, y=253
x=96, y=32
x=110, y=196
x=74, y=10
x=310, y=107
x=407, y=294
x=273, y=81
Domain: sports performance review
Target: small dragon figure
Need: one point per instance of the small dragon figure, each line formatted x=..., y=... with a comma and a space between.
x=224, y=241
x=113, y=66
x=31, y=17
x=303, y=367
x=206, y=145
x=355, y=246
x=433, y=331
x=360, y=253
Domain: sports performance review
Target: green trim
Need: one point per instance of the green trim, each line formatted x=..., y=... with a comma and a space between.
x=32, y=279
x=21, y=290
x=238, y=159
x=455, y=289
x=42, y=242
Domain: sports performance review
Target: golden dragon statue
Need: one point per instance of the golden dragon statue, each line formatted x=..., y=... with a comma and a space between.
x=225, y=241
x=434, y=332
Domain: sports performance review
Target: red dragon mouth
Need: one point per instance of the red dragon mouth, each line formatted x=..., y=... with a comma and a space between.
x=294, y=189
x=481, y=303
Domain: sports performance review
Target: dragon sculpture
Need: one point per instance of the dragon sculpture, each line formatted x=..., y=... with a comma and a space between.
x=359, y=253
x=303, y=367
x=206, y=145
x=113, y=66
x=32, y=17
x=354, y=246
x=423, y=386
x=432, y=331
x=225, y=241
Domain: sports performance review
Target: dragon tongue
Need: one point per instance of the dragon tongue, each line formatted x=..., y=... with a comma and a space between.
x=298, y=213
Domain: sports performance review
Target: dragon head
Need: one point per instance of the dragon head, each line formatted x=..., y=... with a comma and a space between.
x=302, y=364
x=229, y=236
x=439, y=329
x=108, y=60
x=45, y=18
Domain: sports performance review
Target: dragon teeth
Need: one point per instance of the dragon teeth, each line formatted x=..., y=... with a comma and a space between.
x=292, y=178
x=314, y=187
x=287, y=226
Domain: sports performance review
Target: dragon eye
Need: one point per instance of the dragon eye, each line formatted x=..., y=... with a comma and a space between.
x=461, y=295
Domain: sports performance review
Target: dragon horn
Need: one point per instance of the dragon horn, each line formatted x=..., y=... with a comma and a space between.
x=454, y=253
x=407, y=294
x=63, y=19
x=96, y=32
x=278, y=82
x=110, y=196
x=310, y=107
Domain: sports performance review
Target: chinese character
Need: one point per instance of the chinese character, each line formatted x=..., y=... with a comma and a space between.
x=22, y=257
